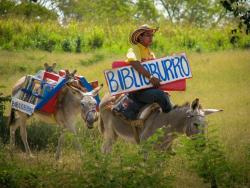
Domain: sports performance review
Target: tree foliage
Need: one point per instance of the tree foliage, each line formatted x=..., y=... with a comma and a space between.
x=95, y=11
x=201, y=13
x=113, y=11
x=196, y=12
x=30, y=9
x=240, y=10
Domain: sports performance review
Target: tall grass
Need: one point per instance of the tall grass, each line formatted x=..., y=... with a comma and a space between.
x=81, y=36
x=220, y=80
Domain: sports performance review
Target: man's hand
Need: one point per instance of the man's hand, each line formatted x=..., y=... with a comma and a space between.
x=155, y=81
x=140, y=69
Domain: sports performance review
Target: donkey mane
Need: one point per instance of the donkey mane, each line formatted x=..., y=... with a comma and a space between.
x=181, y=107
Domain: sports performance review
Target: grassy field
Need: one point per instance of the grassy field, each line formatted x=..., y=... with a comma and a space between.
x=220, y=79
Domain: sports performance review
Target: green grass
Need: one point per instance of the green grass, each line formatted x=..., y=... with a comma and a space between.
x=220, y=79
x=16, y=34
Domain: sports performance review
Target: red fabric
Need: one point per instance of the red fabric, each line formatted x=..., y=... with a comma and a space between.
x=117, y=64
x=51, y=76
x=50, y=106
x=179, y=85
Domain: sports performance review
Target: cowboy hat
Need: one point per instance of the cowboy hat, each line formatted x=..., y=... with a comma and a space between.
x=133, y=38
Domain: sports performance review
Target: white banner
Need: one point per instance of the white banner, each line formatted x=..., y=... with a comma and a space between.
x=22, y=106
x=167, y=69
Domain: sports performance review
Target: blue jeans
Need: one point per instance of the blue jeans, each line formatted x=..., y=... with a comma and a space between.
x=149, y=96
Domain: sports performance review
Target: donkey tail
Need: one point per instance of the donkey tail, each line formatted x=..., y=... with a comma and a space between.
x=12, y=117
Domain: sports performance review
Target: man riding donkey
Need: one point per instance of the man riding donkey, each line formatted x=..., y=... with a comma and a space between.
x=137, y=110
x=141, y=39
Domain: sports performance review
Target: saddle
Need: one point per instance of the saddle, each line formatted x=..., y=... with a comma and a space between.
x=130, y=113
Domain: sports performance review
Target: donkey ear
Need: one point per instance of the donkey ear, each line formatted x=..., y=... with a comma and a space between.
x=46, y=66
x=54, y=66
x=67, y=72
x=211, y=111
x=96, y=90
x=195, y=104
x=73, y=73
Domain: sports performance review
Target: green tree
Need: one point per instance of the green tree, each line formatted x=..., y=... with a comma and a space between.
x=146, y=10
x=114, y=11
x=96, y=10
x=30, y=9
x=6, y=7
x=197, y=12
x=240, y=10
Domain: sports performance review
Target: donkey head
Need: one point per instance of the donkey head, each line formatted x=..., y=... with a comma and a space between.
x=49, y=68
x=195, y=118
x=87, y=104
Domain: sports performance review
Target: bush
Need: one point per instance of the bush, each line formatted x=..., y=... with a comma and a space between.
x=78, y=44
x=20, y=34
x=96, y=40
x=66, y=46
x=4, y=130
x=207, y=157
x=142, y=167
x=40, y=136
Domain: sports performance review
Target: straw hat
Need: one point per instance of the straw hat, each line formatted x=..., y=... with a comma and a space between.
x=133, y=38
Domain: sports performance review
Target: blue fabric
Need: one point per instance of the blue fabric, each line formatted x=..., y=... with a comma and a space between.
x=87, y=85
x=149, y=96
x=49, y=95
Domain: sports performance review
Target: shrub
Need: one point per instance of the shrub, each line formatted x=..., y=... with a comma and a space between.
x=66, y=45
x=4, y=130
x=207, y=157
x=40, y=135
x=143, y=167
x=96, y=40
x=78, y=44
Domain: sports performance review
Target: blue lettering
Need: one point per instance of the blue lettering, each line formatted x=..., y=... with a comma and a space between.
x=163, y=76
x=167, y=65
x=112, y=82
x=120, y=79
x=153, y=69
x=134, y=76
x=183, y=59
x=177, y=66
x=127, y=78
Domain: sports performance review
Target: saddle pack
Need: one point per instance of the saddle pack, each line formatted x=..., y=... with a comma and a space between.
x=131, y=112
x=40, y=91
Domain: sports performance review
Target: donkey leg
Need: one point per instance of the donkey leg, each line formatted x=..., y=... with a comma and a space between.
x=167, y=142
x=23, y=132
x=77, y=142
x=12, y=135
x=109, y=139
x=60, y=142
x=107, y=146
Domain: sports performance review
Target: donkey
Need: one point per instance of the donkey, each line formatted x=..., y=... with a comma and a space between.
x=71, y=102
x=183, y=119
